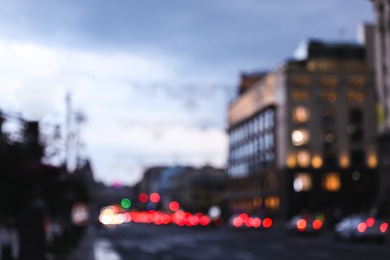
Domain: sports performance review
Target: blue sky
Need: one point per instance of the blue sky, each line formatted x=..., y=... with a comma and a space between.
x=153, y=77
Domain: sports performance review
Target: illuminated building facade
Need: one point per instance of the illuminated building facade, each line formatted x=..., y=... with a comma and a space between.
x=302, y=138
x=382, y=77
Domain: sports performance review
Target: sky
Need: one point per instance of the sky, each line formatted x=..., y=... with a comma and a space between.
x=153, y=78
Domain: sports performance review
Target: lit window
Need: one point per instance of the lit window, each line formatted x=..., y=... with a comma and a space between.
x=372, y=161
x=329, y=96
x=316, y=162
x=344, y=161
x=272, y=202
x=356, y=81
x=329, y=82
x=355, y=96
x=331, y=181
x=303, y=158
x=302, y=182
x=300, y=96
x=300, y=137
x=291, y=162
x=301, y=114
x=300, y=81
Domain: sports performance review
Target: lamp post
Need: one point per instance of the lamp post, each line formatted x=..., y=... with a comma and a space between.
x=33, y=212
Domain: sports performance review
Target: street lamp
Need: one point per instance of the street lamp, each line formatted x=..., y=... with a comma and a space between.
x=31, y=230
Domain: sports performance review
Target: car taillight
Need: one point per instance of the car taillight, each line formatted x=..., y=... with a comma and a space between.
x=301, y=225
x=383, y=227
x=362, y=227
x=317, y=224
x=267, y=223
x=370, y=222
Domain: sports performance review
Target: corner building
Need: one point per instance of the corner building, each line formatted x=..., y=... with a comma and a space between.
x=302, y=137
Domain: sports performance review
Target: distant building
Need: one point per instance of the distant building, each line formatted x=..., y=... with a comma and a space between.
x=382, y=77
x=302, y=138
x=195, y=189
x=198, y=189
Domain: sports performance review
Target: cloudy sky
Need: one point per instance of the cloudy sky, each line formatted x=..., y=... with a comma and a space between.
x=152, y=77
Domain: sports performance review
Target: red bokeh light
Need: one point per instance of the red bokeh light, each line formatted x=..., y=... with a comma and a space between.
x=237, y=222
x=383, y=227
x=204, y=220
x=370, y=222
x=166, y=219
x=301, y=224
x=317, y=224
x=248, y=222
x=362, y=227
x=267, y=222
x=244, y=217
x=256, y=222
x=174, y=205
x=143, y=197
x=154, y=197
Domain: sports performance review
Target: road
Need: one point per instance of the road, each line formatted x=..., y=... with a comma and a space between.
x=147, y=241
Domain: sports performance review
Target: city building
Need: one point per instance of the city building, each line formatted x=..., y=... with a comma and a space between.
x=302, y=137
x=198, y=189
x=381, y=66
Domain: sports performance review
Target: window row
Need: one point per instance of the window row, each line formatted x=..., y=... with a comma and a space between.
x=329, y=81
x=352, y=96
x=250, y=167
x=258, y=145
x=330, y=182
x=258, y=124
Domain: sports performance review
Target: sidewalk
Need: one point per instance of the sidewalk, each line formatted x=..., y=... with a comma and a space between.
x=85, y=248
x=68, y=249
x=8, y=243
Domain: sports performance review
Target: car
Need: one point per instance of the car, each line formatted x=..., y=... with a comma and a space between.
x=305, y=224
x=360, y=227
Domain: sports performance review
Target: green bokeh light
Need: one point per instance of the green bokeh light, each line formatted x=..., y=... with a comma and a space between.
x=125, y=203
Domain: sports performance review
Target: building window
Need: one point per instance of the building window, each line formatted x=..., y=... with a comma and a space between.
x=331, y=181
x=356, y=116
x=355, y=96
x=356, y=81
x=329, y=157
x=303, y=158
x=329, y=96
x=300, y=96
x=355, y=134
x=300, y=137
x=329, y=137
x=328, y=116
x=357, y=157
x=316, y=162
x=300, y=114
x=302, y=182
x=272, y=202
x=329, y=82
x=300, y=81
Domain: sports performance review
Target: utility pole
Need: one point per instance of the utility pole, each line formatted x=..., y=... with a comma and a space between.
x=68, y=129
